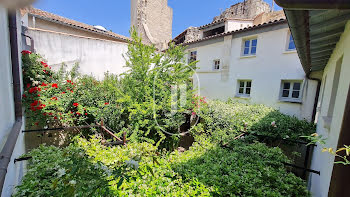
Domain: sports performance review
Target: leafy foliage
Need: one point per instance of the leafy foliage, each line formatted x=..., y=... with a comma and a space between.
x=86, y=168
x=240, y=169
x=224, y=120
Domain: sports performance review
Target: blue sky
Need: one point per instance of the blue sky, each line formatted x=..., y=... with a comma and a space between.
x=115, y=14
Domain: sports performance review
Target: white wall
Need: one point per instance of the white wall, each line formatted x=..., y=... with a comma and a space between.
x=7, y=115
x=95, y=56
x=323, y=162
x=231, y=25
x=271, y=64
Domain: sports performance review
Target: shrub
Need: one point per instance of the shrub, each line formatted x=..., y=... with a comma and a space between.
x=241, y=169
x=87, y=168
x=140, y=102
x=222, y=120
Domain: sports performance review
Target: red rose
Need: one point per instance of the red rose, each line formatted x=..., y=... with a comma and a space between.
x=36, y=123
x=106, y=103
x=63, y=92
x=54, y=85
x=43, y=84
x=28, y=85
x=54, y=98
x=24, y=52
x=85, y=114
x=75, y=104
x=24, y=96
x=50, y=114
x=55, y=117
x=78, y=113
x=69, y=81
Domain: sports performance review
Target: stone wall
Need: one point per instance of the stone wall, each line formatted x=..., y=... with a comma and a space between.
x=192, y=34
x=153, y=21
x=244, y=10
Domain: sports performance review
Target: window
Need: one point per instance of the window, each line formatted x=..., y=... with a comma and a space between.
x=291, y=91
x=216, y=64
x=291, y=45
x=250, y=47
x=244, y=87
x=193, y=56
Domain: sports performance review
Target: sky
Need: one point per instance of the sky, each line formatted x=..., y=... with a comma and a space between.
x=114, y=15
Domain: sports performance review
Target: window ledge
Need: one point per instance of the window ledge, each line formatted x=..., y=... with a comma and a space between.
x=247, y=56
x=290, y=51
x=291, y=101
x=242, y=96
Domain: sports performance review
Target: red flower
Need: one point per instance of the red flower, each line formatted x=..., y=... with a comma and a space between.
x=44, y=113
x=28, y=85
x=106, y=103
x=24, y=96
x=193, y=113
x=36, y=123
x=54, y=98
x=33, y=90
x=35, y=103
x=54, y=85
x=50, y=114
x=55, y=117
x=26, y=52
x=69, y=81
x=85, y=114
x=71, y=91
x=63, y=92
x=44, y=64
x=78, y=113
x=43, y=84
x=38, y=95
x=75, y=104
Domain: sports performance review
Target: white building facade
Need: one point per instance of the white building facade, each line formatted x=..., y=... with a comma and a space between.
x=253, y=64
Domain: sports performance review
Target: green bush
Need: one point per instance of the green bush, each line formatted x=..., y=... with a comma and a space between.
x=139, y=102
x=223, y=120
x=87, y=168
x=241, y=169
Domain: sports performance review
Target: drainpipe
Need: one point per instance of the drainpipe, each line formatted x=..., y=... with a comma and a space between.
x=9, y=146
x=31, y=42
x=314, y=111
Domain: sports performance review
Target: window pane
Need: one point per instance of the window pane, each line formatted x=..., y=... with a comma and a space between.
x=249, y=84
x=247, y=43
x=291, y=42
x=296, y=86
x=241, y=84
x=254, y=42
x=241, y=90
x=247, y=90
x=295, y=94
x=285, y=93
x=253, y=50
x=286, y=85
x=246, y=51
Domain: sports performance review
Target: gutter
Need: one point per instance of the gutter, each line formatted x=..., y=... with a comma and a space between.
x=313, y=4
x=6, y=152
x=314, y=110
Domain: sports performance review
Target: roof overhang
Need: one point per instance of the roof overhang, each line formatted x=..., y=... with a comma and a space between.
x=315, y=30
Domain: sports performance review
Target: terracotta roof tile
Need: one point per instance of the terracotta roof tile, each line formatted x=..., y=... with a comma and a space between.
x=56, y=18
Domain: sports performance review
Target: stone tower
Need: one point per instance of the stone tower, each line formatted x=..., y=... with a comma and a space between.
x=153, y=20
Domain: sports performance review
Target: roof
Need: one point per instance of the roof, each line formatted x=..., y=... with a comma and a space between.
x=72, y=23
x=315, y=34
x=250, y=28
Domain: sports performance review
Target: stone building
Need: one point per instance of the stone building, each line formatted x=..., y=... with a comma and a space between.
x=248, y=9
x=153, y=20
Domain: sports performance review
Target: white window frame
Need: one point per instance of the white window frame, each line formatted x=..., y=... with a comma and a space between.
x=215, y=64
x=190, y=56
x=291, y=89
x=250, y=39
x=289, y=35
x=244, y=94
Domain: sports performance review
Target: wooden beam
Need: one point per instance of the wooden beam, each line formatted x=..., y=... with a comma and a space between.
x=330, y=22
x=320, y=44
x=326, y=35
x=322, y=49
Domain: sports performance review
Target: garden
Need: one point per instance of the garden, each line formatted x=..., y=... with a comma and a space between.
x=226, y=158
